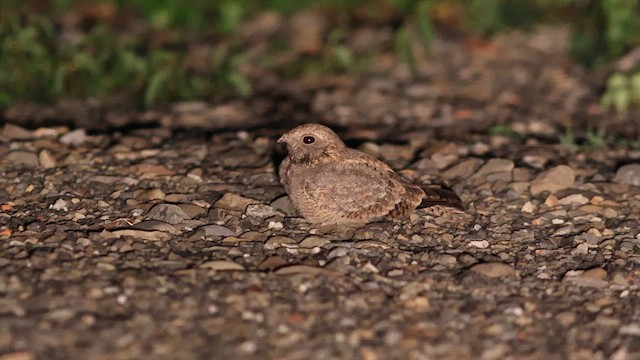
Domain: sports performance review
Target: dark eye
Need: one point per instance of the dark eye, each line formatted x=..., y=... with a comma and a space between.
x=308, y=140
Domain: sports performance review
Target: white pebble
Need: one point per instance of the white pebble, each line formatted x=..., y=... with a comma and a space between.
x=482, y=244
x=59, y=205
x=527, y=207
x=121, y=299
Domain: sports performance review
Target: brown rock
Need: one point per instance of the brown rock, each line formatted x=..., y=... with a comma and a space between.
x=15, y=132
x=46, y=160
x=554, y=179
x=22, y=158
x=628, y=174
x=462, y=169
x=494, y=269
x=233, y=201
x=222, y=265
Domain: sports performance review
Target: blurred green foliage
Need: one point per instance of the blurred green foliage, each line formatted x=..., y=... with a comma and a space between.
x=622, y=91
x=43, y=58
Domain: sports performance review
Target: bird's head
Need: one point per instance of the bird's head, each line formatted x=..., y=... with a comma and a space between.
x=311, y=143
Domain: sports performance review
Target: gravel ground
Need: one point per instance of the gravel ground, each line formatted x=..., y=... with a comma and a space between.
x=178, y=244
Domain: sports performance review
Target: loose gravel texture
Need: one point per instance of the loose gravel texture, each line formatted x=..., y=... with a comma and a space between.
x=152, y=244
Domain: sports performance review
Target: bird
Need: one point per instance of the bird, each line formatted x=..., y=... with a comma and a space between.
x=332, y=184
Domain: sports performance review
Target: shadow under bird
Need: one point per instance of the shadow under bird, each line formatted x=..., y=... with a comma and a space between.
x=330, y=183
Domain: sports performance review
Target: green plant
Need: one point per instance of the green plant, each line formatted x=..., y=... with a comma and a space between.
x=46, y=64
x=622, y=91
x=593, y=138
x=503, y=129
x=27, y=61
x=567, y=139
x=624, y=143
x=417, y=25
x=622, y=24
x=596, y=137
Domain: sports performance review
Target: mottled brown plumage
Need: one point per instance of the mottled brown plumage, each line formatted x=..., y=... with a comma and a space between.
x=330, y=183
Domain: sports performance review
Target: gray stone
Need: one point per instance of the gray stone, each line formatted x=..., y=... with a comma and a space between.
x=284, y=205
x=494, y=166
x=75, y=137
x=193, y=210
x=216, y=230
x=22, y=158
x=628, y=174
x=156, y=225
x=169, y=213
x=260, y=211
x=462, y=169
x=59, y=205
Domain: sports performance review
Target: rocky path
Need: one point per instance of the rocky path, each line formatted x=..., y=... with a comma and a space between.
x=156, y=244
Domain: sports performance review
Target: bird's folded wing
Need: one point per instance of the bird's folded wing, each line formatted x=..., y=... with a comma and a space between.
x=283, y=173
x=354, y=189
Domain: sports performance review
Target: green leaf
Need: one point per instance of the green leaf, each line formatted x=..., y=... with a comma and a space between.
x=5, y=98
x=231, y=13
x=403, y=47
x=635, y=88
x=423, y=24
x=622, y=23
x=241, y=83
x=621, y=101
x=58, y=81
x=156, y=86
x=485, y=15
x=161, y=18
x=596, y=138
x=344, y=56
x=618, y=93
x=503, y=130
x=567, y=139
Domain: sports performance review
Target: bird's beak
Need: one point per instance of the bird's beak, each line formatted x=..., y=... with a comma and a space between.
x=282, y=139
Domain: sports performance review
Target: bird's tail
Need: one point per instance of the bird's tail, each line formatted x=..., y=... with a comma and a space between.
x=437, y=196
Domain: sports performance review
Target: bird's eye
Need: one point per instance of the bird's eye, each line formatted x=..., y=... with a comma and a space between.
x=308, y=139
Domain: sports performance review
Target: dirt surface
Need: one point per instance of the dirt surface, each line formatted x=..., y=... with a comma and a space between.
x=171, y=239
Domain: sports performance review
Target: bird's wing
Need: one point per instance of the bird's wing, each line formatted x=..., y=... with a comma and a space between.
x=354, y=189
x=430, y=195
x=283, y=173
x=413, y=192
